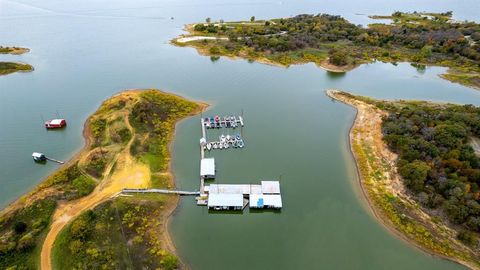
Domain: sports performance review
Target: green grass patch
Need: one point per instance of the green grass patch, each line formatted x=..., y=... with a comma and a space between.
x=11, y=67
x=118, y=234
x=22, y=233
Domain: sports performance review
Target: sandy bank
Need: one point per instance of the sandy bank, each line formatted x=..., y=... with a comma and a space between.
x=379, y=181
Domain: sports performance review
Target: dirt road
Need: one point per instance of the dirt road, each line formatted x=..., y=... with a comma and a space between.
x=128, y=174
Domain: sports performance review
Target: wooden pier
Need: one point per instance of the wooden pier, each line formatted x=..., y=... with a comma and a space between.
x=54, y=160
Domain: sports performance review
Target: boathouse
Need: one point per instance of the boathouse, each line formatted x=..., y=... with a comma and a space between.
x=207, y=168
x=265, y=201
x=224, y=201
x=56, y=123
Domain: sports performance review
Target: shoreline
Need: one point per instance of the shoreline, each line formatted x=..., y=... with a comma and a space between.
x=172, y=209
x=376, y=210
x=105, y=189
x=193, y=39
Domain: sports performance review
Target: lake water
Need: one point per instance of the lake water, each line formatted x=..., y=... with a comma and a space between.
x=84, y=52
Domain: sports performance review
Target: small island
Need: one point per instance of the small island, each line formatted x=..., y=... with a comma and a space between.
x=77, y=217
x=13, y=50
x=419, y=171
x=337, y=45
x=11, y=67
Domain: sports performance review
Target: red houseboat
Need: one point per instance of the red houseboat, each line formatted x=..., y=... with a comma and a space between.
x=56, y=123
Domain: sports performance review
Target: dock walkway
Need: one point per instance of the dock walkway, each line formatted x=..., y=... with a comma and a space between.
x=157, y=190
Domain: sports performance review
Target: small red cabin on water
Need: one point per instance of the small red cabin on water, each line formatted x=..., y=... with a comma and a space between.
x=55, y=123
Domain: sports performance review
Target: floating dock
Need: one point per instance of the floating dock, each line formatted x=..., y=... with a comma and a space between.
x=222, y=122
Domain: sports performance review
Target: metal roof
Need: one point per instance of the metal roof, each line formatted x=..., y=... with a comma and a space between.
x=234, y=189
x=225, y=200
x=207, y=167
x=265, y=200
x=270, y=187
x=37, y=155
x=56, y=121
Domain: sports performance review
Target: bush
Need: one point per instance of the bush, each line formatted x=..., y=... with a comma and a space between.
x=468, y=238
x=170, y=262
x=337, y=58
x=84, y=185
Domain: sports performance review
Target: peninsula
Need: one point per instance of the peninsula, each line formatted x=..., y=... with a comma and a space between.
x=76, y=217
x=419, y=171
x=11, y=67
x=337, y=45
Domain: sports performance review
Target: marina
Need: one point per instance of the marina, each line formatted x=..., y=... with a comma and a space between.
x=231, y=196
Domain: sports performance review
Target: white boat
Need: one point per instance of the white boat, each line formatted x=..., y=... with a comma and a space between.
x=228, y=138
x=215, y=145
x=225, y=145
x=222, y=138
x=39, y=157
x=220, y=145
x=241, y=144
x=209, y=146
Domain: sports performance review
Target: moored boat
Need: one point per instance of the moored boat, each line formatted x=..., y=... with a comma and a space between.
x=39, y=157
x=55, y=123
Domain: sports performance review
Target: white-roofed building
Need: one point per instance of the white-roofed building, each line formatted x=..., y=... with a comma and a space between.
x=265, y=201
x=244, y=189
x=270, y=187
x=223, y=201
x=207, y=168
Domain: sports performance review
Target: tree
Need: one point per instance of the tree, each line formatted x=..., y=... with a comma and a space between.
x=414, y=173
x=200, y=27
x=252, y=19
x=20, y=227
x=337, y=58
x=208, y=20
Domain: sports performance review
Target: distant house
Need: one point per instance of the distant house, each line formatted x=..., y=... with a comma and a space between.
x=207, y=168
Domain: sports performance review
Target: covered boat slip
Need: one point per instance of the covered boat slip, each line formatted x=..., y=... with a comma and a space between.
x=207, y=168
x=265, y=201
x=265, y=195
x=244, y=189
x=266, y=187
x=222, y=201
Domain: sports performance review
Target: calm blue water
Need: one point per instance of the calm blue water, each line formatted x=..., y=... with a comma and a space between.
x=84, y=52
